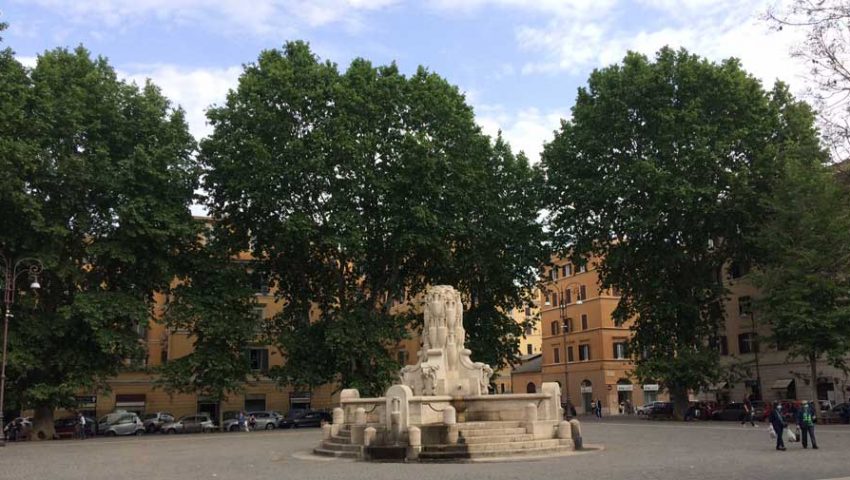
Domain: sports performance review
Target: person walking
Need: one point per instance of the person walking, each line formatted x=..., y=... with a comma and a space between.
x=748, y=415
x=806, y=421
x=81, y=423
x=778, y=424
x=242, y=421
x=598, y=408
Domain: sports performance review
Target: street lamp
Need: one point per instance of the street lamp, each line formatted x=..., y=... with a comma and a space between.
x=565, y=327
x=11, y=271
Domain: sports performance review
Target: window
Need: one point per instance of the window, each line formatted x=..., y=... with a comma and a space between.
x=567, y=270
x=529, y=329
x=529, y=349
x=258, y=359
x=582, y=293
x=584, y=321
x=553, y=274
x=546, y=302
x=554, y=327
x=402, y=357
x=502, y=387
x=557, y=354
x=527, y=311
x=570, y=354
x=584, y=352
x=620, y=350
x=582, y=268
x=554, y=299
x=744, y=306
x=569, y=295
x=260, y=283
x=748, y=343
x=568, y=325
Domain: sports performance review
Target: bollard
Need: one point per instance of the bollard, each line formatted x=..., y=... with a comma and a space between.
x=575, y=431
x=369, y=436
x=414, y=441
x=360, y=416
x=326, y=431
x=338, y=420
x=452, y=434
x=449, y=416
x=564, y=430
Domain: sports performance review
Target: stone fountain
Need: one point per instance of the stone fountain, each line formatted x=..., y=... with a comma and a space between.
x=441, y=408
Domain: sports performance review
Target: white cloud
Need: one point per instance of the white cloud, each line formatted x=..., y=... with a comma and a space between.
x=710, y=28
x=525, y=129
x=259, y=17
x=28, y=62
x=195, y=89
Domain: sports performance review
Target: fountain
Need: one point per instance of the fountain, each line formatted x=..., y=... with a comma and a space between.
x=441, y=408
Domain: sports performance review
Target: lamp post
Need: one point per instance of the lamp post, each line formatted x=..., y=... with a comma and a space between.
x=565, y=327
x=11, y=270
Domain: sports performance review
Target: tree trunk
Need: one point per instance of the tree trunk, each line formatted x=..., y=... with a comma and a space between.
x=42, y=424
x=680, y=402
x=813, y=365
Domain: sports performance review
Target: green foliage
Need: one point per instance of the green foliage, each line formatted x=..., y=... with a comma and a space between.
x=355, y=190
x=660, y=173
x=214, y=303
x=804, y=264
x=96, y=179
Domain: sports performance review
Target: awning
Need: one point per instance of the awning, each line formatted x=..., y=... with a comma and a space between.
x=650, y=387
x=717, y=386
x=781, y=384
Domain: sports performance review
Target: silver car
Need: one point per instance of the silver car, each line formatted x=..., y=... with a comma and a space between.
x=266, y=420
x=120, y=423
x=200, y=422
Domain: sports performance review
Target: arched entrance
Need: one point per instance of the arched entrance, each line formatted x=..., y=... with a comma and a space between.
x=587, y=395
x=530, y=388
x=624, y=395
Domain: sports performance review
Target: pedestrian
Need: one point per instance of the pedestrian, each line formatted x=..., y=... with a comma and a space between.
x=778, y=424
x=252, y=422
x=241, y=420
x=598, y=408
x=81, y=422
x=806, y=418
x=748, y=415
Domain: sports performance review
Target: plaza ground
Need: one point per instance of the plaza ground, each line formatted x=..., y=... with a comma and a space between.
x=633, y=449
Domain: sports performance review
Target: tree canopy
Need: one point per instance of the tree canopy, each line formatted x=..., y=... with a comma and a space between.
x=660, y=173
x=96, y=179
x=353, y=191
x=803, y=268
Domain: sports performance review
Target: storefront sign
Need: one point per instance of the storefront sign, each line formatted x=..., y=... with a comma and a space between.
x=652, y=387
x=86, y=401
x=586, y=389
x=625, y=388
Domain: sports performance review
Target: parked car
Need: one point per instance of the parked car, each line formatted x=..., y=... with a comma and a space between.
x=838, y=414
x=199, y=422
x=731, y=412
x=67, y=427
x=304, y=418
x=230, y=420
x=18, y=429
x=154, y=421
x=661, y=410
x=266, y=420
x=644, y=409
x=120, y=423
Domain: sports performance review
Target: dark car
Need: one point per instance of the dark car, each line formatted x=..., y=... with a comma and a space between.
x=67, y=427
x=837, y=414
x=660, y=410
x=731, y=412
x=304, y=418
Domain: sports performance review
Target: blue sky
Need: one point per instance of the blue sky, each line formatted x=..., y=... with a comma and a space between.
x=519, y=61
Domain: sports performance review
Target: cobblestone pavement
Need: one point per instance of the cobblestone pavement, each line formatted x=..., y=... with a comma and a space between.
x=633, y=449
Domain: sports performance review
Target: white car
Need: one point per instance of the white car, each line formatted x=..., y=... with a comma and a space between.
x=120, y=423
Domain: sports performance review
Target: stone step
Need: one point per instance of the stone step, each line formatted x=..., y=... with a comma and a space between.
x=491, y=424
x=489, y=447
x=490, y=432
x=344, y=432
x=426, y=456
x=496, y=438
x=334, y=453
x=338, y=439
x=339, y=447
